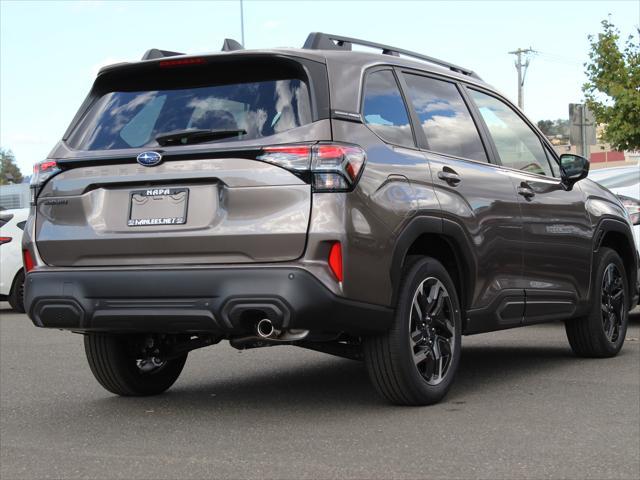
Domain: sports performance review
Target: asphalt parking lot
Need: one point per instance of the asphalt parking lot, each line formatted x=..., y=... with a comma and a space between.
x=522, y=407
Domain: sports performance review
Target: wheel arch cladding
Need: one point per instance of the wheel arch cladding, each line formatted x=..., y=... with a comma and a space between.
x=615, y=235
x=443, y=240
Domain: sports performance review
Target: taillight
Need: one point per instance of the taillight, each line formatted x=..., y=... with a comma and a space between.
x=4, y=240
x=333, y=167
x=42, y=172
x=27, y=260
x=633, y=208
x=336, y=167
x=291, y=157
x=335, y=260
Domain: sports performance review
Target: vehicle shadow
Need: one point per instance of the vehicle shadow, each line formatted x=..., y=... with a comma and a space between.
x=344, y=384
x=327, y=383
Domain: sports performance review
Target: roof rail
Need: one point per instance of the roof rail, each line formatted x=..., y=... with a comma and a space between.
x=327, y=41
x=154, y=53
x=230, y=45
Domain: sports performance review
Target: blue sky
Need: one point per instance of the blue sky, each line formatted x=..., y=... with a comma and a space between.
x=50, y=51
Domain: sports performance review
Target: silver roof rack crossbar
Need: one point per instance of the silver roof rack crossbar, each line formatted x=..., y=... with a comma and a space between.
x=327, y=41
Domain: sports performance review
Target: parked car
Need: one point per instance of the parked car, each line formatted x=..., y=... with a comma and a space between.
x=375, y=206
x=12, y=224
x=625, y=183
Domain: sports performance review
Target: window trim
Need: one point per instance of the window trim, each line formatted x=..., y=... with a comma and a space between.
x=363, y=88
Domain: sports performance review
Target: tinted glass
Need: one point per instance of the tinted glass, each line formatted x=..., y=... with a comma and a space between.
x=555, y=168
x=518, y=146
x=444, y=118
x=384, y=109
x=125, y=119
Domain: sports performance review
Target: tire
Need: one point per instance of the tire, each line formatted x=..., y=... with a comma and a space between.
x=404, y=367
x=16, y=296
x=601, y=334
x=113, y=362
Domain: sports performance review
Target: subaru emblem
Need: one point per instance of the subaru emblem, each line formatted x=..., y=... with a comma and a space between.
x=149, y=159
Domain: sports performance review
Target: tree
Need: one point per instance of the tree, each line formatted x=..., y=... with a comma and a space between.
x=612, y=91
x=546, y=126
x=555, y=128
x=9, y=171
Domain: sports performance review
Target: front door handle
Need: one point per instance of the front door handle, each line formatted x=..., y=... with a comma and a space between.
x=526, y=191
x=449, y=176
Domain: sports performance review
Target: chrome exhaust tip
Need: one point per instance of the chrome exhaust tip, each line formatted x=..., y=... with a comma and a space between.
x=265, y=329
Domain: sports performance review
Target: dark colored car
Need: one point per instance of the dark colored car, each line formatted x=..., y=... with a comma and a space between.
x=375, y=206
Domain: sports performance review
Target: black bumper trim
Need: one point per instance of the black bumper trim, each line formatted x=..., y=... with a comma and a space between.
x=216, y=300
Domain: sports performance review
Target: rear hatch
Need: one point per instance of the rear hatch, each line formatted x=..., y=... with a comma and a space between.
x=163, y=164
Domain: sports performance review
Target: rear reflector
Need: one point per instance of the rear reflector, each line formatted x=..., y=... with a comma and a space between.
x=335, y=260
x=4, y=240
x=28, y=260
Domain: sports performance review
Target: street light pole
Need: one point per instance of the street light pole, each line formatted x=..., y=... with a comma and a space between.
x=242, y=22
x=521, y=72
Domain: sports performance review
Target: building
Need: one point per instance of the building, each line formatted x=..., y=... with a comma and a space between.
x=15, y=195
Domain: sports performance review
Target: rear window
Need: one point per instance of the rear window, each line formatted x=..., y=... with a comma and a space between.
x=131, y=119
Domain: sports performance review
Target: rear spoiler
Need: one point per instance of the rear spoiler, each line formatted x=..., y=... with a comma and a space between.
x=229, y=45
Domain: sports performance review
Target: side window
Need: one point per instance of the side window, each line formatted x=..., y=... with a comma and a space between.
x=518, y=146
x=384, y=110
x=445, y=118
x=555, y=168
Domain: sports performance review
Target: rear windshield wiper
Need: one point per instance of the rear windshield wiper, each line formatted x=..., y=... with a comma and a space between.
x=193, y=135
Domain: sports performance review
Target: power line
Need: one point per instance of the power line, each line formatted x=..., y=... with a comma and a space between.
x=552, y=57
x=522, y=70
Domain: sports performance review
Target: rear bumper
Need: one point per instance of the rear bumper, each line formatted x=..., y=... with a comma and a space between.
x=223, y=301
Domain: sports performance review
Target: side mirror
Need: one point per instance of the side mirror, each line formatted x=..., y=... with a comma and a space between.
x=573, y=168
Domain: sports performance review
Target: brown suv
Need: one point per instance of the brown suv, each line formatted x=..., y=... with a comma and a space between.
x=372, y=206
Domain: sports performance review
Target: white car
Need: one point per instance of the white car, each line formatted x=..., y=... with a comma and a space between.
x=625, y=183
x=11, y=273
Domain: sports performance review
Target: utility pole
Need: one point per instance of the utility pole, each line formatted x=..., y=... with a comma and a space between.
x=582, y=133
x=522, y=72
x=242, y=23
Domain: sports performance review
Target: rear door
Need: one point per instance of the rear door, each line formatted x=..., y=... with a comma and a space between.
x=128, y=195
x=478, y=200
x=557, y=230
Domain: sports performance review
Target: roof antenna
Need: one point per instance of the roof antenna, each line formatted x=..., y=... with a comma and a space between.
x=230, y=45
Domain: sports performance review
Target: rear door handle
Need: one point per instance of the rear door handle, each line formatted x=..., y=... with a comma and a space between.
x=449, y=176
x=526, y=191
